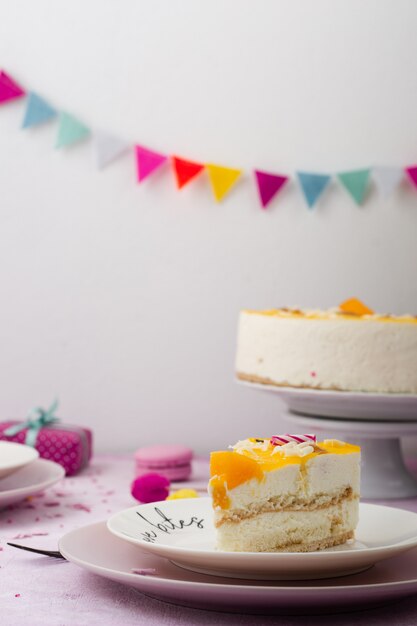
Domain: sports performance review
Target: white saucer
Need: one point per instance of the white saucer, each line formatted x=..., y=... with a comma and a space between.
x=95, y=549
x=13, y=456
x=29, y=480
x=345, y=404
x=183, y=531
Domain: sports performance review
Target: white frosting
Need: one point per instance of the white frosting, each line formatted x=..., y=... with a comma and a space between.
x=353, y=355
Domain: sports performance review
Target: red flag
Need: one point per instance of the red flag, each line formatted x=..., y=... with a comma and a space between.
x=185, y=170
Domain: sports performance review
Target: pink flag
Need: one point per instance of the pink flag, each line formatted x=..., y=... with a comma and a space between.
x=269, y=185
x=412, y=174
x=9, y=89
x=147, y=161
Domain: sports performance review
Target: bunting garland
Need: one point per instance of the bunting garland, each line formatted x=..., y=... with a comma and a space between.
x=37, y=111
x=9, y=89
x=356, y=183
x=109, y=147
x=412, y=174
x=313, y=185
x=222, y=179
x=70, y=130
x=268, y=186
x=387, y=179
x=147, y=162
x=185, y=171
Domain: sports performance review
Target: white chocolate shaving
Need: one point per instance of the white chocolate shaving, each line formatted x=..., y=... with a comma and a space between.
x=334, y=442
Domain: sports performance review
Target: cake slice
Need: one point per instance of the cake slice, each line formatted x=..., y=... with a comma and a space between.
x=286, y=493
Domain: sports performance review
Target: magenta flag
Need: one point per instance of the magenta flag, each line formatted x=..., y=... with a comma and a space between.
x=269, y=185
x=148, y=161
x=412, y=174
x=9, y=89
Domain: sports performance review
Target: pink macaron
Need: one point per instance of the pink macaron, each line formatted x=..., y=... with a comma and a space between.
x=171, y=461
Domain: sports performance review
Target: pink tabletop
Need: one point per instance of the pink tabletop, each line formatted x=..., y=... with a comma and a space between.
x=42, y=591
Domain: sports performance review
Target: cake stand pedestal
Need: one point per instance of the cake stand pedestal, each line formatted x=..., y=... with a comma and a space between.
x=374, y=421
x=384, y=474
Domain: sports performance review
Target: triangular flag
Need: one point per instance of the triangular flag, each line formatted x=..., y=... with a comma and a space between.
x=37, y=111
x=222, y=179
x=70, y=130
x=185, y=170
x=269, y=185
x=313, y=186
x=148, y=161
x=356, y=183
x=412, y=174
x=9, y=89
x=108, y=148
x=387, y=179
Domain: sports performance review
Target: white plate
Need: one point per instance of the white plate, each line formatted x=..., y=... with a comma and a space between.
x=13, y=456
x=29, y=480
x=345, y=404
x=95, y=549
x=183, y=531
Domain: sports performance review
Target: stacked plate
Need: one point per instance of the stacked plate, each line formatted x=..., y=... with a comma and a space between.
x=167, y=551
x=23, y=473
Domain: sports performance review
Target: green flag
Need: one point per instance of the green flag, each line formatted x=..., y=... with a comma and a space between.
x=356, y=183
x=70, y=130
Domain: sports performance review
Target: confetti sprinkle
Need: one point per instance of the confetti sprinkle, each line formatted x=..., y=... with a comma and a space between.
x=80, y=507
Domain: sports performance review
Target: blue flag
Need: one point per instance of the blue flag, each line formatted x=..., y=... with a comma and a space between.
x=313, y=186
x=37, y=111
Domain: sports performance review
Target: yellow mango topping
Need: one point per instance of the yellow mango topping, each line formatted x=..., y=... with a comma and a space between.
x=234, y=468
x=230, y=469
x=353, y=306
x=219, y=493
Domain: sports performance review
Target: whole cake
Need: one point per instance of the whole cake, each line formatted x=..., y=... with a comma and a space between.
x=350, y=348
x=286, y=493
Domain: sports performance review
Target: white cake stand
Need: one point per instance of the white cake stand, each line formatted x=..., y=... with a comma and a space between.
x=376, y=422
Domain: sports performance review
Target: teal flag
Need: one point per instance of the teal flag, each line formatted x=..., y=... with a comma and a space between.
x=313, y=186
x=356, y=183
x=70, y=131
x=37, y=111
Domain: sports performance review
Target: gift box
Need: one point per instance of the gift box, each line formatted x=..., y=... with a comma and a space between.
x=70, y=446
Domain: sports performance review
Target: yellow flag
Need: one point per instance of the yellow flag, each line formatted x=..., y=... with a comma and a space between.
x=222, y=179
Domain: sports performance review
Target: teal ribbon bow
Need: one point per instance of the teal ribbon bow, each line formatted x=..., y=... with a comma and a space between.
x=37, y=419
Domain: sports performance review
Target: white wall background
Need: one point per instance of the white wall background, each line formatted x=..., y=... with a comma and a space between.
x=123, y=299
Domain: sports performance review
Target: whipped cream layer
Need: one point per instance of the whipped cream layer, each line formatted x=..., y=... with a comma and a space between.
x=328, y=350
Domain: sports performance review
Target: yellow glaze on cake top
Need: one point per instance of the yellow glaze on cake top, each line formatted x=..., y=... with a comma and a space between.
x=229, y=469
x=333, y=314
x=351, y=309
